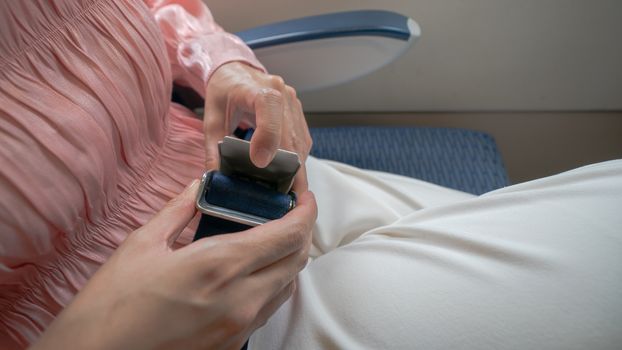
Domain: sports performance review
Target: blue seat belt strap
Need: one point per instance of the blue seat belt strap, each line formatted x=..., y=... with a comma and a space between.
x=210, y=226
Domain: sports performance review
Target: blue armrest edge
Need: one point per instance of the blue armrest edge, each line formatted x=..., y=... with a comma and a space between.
x=351, y=23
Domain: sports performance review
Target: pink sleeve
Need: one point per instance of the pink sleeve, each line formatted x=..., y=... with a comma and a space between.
x=196, y=45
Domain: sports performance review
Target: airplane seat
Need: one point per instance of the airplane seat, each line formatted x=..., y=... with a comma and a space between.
x=461, y=159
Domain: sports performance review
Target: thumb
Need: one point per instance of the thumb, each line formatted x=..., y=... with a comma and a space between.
x=169, y=222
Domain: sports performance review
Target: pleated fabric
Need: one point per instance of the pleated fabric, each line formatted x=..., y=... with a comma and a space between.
x=90, y=145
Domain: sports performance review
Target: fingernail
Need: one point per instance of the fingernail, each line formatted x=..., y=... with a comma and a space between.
x=263, y=157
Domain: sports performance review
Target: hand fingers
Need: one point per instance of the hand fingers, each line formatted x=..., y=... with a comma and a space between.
x=251, y=300
x=271, y=286
x=280, y=238
x=301, y=184
x=296, y=137
x=253, y=249
x=301, y=124
x=169, y=222
x=270, y=308
x=267, y=103
x=268, y=281
x=269, y=109
x=260, y=317
x=257, y=297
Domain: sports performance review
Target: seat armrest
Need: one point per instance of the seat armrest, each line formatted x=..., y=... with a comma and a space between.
x=320, y=51
x=352, y=23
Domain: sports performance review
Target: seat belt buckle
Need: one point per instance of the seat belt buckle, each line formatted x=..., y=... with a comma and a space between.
x=242, y=193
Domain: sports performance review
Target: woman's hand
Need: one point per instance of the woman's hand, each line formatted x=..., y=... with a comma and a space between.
x=210, y=294
x=239, y=95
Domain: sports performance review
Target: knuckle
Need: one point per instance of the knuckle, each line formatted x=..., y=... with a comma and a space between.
x=291, y=92
x=277, y=82
x=271, y=96
x=293, y=240
x=299, y=234
x=272, y=127
x=297, y=227
x=270, y=131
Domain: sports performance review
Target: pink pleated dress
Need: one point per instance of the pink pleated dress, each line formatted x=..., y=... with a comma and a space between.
x=90, y=144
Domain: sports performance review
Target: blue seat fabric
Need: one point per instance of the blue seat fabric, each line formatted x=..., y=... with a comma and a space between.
x=461, y=159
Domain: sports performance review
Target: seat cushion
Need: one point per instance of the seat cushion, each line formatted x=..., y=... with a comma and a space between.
x=461, y=159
